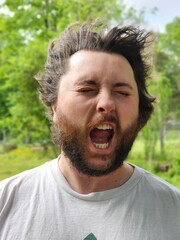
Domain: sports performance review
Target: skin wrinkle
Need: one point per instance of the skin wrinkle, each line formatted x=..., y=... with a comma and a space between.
x=71, y=136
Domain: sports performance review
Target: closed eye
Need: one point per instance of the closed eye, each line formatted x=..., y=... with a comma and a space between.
x=123, y=93
x=123, y=89
x=87, y=90
x=87, y=86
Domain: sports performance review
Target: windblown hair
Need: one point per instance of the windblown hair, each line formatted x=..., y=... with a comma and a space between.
x=129, y=42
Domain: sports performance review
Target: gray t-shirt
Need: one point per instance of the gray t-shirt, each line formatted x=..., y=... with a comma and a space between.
x=39, y=204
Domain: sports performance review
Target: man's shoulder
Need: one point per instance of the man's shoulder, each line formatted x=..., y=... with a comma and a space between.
x=157, y=185
x=28, y=176
x=25, y=187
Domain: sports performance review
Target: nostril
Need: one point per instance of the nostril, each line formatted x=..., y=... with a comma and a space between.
x=101, y=109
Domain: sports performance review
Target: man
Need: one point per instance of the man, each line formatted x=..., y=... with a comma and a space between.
x=94, y=86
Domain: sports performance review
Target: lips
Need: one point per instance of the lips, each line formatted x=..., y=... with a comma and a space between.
x=101, y=136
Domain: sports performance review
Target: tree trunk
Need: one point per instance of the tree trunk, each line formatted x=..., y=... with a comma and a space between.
x=162, y=150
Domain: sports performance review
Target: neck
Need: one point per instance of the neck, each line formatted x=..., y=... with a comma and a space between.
x=85, y=184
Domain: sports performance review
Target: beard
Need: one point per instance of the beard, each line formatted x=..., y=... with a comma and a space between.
x=72, y=141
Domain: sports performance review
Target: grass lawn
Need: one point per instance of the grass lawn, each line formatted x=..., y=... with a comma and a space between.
x=172, y=148
x=22, y=158
x=25, y=157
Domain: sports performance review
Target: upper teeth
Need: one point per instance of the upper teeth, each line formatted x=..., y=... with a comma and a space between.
x=104, y=127
x=101, y=145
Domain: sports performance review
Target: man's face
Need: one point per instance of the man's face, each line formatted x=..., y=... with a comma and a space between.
x=96, y=113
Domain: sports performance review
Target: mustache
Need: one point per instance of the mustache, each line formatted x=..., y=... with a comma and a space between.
x=102, y=119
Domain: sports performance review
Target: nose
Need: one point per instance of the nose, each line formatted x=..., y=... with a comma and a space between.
x=105, y=103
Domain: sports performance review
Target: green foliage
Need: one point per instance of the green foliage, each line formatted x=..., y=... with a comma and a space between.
x=21, y=159
x=154, y=129
x=22, y=108
x=149, y=135
x=168, y=62
x=172, y=146
x=24, y=37
x=166, y=88
x=27, y=157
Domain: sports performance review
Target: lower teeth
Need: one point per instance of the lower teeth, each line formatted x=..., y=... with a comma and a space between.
x=101, y=145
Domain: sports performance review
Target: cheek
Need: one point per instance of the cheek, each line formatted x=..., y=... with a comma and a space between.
x=76, y=112
x=128, y=112
x=134, y=112
x=78, y=107
x=134, y=107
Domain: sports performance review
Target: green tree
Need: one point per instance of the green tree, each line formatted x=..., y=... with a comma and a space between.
x=154, y=131
x=165, y=87
x=24, y=37
x=164, y=92
x=168, y=62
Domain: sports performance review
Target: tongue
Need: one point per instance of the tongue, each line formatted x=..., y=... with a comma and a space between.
x=100, y=136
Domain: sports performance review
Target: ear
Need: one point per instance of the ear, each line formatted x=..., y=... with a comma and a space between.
x=54, y=113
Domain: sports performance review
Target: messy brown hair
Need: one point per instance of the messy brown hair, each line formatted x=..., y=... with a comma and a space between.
x=127, y=41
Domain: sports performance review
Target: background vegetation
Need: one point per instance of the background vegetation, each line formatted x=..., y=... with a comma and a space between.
x=26, y=28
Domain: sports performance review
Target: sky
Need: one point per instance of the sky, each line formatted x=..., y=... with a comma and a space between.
x=167, y=11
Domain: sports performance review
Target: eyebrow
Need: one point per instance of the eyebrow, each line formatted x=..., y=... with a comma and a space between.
x=95, y=83
x=87, y=82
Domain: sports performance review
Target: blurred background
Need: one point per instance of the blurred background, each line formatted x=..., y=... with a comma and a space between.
x=27, y=27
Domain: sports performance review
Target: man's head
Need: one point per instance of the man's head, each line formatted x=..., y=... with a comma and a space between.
x=126, y=41
x=94, y=84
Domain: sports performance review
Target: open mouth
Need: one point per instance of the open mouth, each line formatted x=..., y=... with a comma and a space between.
x=102, y=135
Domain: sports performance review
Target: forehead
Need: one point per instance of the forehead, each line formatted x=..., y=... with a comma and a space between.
x=99, y=66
